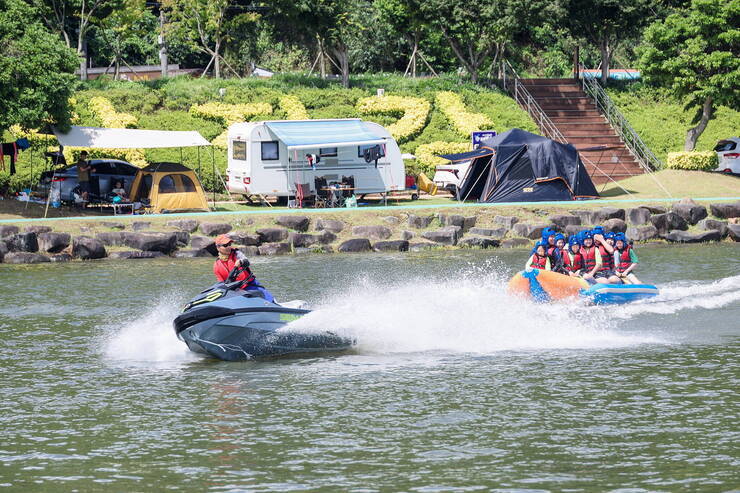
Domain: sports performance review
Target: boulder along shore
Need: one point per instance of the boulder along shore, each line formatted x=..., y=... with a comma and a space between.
x=344, y=231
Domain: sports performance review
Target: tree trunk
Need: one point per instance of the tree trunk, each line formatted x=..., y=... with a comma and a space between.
x=163, y=62
x=343, y=58
x=606, y=56
x=692, y=135
x=82, y=54
x=217, y=61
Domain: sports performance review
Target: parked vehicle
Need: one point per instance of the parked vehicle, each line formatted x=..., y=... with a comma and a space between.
x=448, y=176
x=728, y=152
x=272, y=158
x=102, y=180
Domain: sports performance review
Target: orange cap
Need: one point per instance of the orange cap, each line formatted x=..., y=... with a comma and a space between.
x=223, y=240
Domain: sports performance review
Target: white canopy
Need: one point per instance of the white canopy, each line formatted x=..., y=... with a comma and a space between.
x=128, y=138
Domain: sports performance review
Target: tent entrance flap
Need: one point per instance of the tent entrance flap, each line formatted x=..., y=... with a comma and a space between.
x=303, y=134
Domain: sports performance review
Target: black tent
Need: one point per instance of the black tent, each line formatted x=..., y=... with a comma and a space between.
x=518, y=166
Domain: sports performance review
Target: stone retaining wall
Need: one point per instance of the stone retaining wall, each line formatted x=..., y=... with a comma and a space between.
x=293, y=234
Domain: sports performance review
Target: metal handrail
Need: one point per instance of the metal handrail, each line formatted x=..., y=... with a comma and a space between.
x=619, y=123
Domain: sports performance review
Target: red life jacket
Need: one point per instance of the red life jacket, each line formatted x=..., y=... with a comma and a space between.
x=539, y=262
x=222, y=268
x=625, y=260
x=607, y=260
x=589, y=258
x=573, y=265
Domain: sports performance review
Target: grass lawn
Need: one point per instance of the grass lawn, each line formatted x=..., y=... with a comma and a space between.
x=679, y=183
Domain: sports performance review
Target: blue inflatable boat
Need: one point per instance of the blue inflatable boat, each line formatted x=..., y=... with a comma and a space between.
x=617, y=294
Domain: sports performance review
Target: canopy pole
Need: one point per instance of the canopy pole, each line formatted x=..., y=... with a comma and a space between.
x=198, y=162
x=213, y=176
x=181, y=155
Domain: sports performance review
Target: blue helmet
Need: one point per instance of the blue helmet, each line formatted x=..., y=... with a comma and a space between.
x=620, y=237
x=542, y=243
x=609, y=235
x=587, y=235
x=573, y=240
x=598, y=230
x=559, y=236
x=547, y=232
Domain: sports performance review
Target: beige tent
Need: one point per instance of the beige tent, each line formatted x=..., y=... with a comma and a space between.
x=169, y=187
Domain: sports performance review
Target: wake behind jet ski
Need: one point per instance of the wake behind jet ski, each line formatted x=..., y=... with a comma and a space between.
x=230, y=323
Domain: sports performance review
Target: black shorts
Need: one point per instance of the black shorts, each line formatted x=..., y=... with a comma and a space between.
x=84, y=186
x=605, y=273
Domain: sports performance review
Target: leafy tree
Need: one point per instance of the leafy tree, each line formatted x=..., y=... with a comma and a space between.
x=696, y=53
x=123, y=31
x=607, y=23
x=36, y=71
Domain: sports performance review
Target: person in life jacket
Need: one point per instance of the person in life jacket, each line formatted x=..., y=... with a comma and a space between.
x=539, y=259
x=555, y=253
x=228, y=258
x=606, y=250
x=591, y=258
x=625, y=259
x=572, y=258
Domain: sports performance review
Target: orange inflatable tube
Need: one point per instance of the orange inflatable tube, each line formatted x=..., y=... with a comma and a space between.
x=557, y=286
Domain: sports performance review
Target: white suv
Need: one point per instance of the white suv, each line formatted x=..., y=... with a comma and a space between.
x=728, y=152
x=448, y=176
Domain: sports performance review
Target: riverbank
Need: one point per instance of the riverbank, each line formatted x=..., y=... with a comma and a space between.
x=378, y=229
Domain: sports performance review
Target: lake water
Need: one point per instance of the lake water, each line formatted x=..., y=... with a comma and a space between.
x=454, y=386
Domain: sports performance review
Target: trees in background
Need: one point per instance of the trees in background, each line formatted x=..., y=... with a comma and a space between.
x=695, y=52
x=36, y=70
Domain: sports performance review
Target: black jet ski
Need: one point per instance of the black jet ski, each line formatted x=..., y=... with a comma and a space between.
x=232, y=324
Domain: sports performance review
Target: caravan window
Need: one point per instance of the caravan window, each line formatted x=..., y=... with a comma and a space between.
x=239, y=150
x=328, y=152
x=361, y=149
x=270, y=151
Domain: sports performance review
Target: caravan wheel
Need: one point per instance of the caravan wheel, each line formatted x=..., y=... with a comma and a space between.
x=414, y=196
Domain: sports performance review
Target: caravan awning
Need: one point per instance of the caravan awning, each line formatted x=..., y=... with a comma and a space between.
x=128, y=138
x=306, y=134
x=466, y=156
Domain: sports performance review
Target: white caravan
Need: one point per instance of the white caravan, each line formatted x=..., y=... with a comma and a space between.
x=272, y=157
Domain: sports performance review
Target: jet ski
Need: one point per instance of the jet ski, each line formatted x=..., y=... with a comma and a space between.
x=232, y=324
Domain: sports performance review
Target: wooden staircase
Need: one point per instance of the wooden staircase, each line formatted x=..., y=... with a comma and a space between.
x=577, y=118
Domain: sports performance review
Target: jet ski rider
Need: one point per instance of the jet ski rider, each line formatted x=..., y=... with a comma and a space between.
x=229, y=258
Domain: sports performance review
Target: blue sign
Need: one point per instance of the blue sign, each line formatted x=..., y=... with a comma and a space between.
x=479, y=137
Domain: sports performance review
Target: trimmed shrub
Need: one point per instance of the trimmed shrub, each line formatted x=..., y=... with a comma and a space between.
x=413, y=113
x=293, y=108
x=693, y=160
x=427, y=159
x=228, y=114
x=108, y=116
x=464, y=122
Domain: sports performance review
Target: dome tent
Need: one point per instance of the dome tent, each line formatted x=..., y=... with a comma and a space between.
x=518, y=166
x=169, y=187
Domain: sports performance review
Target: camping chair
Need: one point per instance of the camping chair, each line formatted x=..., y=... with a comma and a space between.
x=302, y=192
x=322, y=195
x=348, y=181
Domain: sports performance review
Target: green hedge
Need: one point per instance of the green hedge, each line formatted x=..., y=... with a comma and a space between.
x=693, y=160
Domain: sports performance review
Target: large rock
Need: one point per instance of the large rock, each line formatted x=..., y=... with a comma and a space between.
x=187, y=225
x=571, y=230
x=86, y=248
x=734, y=231
x=469, y=222
x=302, y=240
x=250, y=250
x=374, y=232
x=692, y=213
x=615, y=225
x=443, y=236
x=140, y=225
x=420, y=222
x=134, y=255
x=183, y=238
x=391, y=246
x=243, y=238
x=452, y=220
x=329, y=225
x=272, y=235
x=192, y=253
x=583, y=215
x=642, y=233
x=515, y=243
x=639, y=215
x=710, y=224
x=8, y=230
x=355, y=245
x=151, y=242
x=60, y=257
x=25, y=258
x=531, y=231
x=496, y=233
x=599, y=216
x=23, y=242
x=3, y=249
x=668, y=222
x=406, y=235
x=204, y=244
x=564, y=220
x=655, y=209
x=292, y=221
x=506, y=221
x=112, y=238
x=113, y=225
x=725, y=211
x=215, y=229
x=477, y=242
x=277, y=248
x=678, y=236
x=37, y=229
x=53, y=242
x=393, y=220
x=420, y=247
x=326, y=237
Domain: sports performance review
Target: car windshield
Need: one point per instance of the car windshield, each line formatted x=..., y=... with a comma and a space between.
x=725, y=145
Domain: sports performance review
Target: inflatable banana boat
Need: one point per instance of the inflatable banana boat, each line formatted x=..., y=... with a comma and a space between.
x=544, y=286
